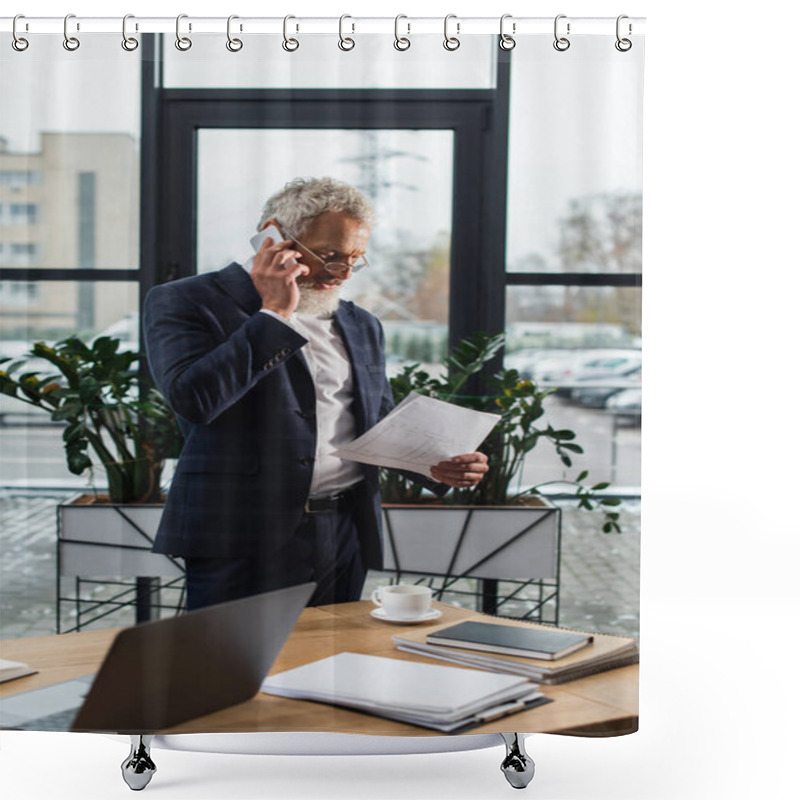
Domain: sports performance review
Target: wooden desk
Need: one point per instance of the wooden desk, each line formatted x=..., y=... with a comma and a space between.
x=600, y=705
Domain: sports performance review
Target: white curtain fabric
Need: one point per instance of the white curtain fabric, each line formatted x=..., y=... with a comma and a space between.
x=73, y=151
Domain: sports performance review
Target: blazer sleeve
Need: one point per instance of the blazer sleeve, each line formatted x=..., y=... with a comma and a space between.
x=199, y=369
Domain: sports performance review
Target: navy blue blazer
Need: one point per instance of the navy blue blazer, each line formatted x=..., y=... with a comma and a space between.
x=244, y=397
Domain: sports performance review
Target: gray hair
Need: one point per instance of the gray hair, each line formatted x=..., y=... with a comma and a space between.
x=302, y=200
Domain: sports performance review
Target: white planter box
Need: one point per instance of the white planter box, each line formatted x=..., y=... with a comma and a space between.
x=111, y=541
x=504, y=542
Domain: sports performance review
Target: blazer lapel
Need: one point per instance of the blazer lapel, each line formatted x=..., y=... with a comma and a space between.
x=235, y=281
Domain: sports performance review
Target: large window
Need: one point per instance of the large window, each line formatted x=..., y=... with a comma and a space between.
x=574, y=249
x=408, y=177
x=564, y=282
x=69, y=167
x=69, y=222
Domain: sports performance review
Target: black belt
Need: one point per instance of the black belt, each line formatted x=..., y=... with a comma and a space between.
x=334, y=502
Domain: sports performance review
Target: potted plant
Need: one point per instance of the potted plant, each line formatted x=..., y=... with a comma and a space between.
x=497, y=529
x=125, y=423
x=115, y=420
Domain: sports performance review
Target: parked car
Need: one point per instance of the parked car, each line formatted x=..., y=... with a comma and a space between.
x=627, y=405
x=528, y=361
x=586, y=368
x=626, y=400
x=597, y=396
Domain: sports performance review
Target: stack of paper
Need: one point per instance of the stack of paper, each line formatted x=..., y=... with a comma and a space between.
x=602, y=652
x=448, y=699
x=420, y=432
x=9, y=670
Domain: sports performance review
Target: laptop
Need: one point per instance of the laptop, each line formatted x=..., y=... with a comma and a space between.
x=159, y=674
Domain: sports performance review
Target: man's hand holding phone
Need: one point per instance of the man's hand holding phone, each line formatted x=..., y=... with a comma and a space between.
x=275, y=271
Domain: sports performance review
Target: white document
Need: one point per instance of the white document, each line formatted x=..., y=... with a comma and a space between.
x=419, y=433
x=423, y=694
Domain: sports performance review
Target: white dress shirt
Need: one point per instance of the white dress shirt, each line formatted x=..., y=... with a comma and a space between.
x=332, y=372
x=333, y=383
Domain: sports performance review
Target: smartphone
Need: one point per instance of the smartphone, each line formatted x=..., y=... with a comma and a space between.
x=276, y=236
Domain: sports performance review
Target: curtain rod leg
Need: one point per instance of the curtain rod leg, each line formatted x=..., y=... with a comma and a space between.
x=517, y=766
x=138, y=768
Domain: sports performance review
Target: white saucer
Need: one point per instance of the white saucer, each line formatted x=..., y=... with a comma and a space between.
x=380, y=614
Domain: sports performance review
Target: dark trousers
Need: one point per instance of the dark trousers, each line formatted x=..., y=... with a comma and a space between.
x=324, y=549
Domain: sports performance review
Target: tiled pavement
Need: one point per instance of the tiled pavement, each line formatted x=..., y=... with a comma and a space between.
x=599, y=572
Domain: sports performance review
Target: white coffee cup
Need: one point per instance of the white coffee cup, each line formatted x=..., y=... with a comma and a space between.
x=403, y=601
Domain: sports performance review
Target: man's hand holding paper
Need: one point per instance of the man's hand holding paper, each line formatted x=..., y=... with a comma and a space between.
x=463, y=470
x=422, y=435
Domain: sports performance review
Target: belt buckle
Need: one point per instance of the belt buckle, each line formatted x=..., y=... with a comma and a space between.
x=329, y=503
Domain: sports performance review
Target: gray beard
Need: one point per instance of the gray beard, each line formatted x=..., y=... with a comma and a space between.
x=317, y=302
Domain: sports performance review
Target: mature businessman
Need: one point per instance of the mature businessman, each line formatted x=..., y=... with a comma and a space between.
x=268, y=372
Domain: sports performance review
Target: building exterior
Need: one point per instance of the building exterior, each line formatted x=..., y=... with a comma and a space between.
x=74, y=204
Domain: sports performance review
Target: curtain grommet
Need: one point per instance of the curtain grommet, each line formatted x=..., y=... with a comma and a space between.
x=129, y=43
x=401, y=43
x=19, y=43
x=561, y=43
x=507, y=42
x=233, y=44
x=623, y=44
x=289, y=44
x=183, y=43
x=71, y=43
x=346, y=43
x=451, y=43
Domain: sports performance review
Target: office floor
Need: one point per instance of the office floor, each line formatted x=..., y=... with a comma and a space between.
x=599, y=572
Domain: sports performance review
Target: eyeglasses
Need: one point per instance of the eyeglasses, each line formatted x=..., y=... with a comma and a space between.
x=331, y=265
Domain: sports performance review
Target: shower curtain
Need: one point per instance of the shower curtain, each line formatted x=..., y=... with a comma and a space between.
x=504, y=174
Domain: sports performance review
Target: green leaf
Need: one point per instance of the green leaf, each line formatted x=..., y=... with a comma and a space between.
x=68, y=411
x=583, y=476
x=598, y=487
x=75, y=347
x=30, y=386
x=611, y=501
x=573, y=448
x=74, y=432
x=104, y=347
x=89, y=390
x=78, y=462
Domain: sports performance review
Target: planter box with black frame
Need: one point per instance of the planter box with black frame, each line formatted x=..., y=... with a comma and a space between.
x=109, y=544
x=500, y=557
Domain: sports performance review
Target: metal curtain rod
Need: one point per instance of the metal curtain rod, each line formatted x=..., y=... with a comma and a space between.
x=462, y=26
